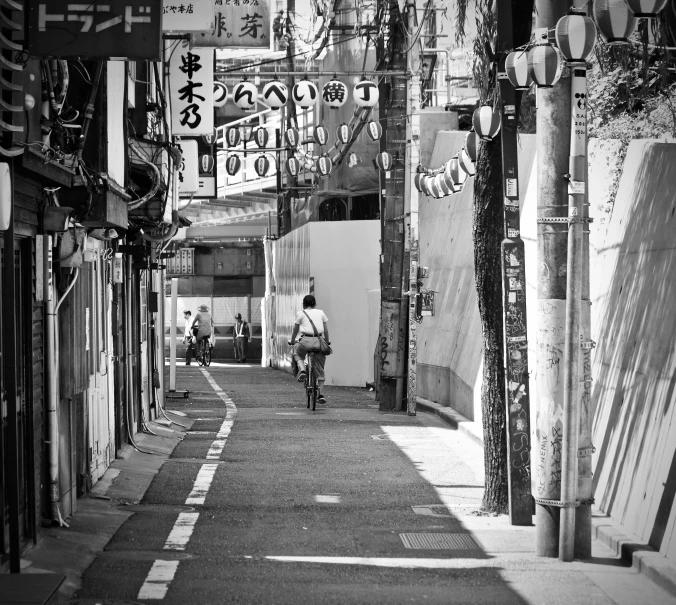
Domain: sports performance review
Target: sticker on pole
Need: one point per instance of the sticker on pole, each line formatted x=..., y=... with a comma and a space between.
x=511, y=188
x=576, y=187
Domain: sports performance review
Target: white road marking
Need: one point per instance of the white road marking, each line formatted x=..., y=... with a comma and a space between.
x=157, y=583
x=327, y=499
x=180, y=534
x=383, y=562
x=202, y=484
x=218, y=444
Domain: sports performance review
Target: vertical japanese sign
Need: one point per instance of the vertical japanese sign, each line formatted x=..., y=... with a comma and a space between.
x=188, y=171
x=239, y=24
x=191, y=82
x=116, y=29
x=193, y=16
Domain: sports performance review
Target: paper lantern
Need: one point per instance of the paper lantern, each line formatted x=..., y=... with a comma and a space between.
x=320, y=135
x=262, y=165
x=292, y=137
x=233, y=136
x=416, y=180
x=648, y=9
x=384, y=161
x=486, y=122
x=207, y=164
x=575, y=37
x=448, y=177
x=615, y=20
x=516, y=66
x=276, y=94
x=245, y=95
x=233, y=164
x=261, y=136
x=471, y=143
x=293, y=166
x=544, y=63
x=324, y=165
x=441, y=184
x=353, y=159
x=433, y=184
x=375, y=130
x=425, y=185
x=220, y=94
x=365, y=93
x=344, y=133
x=305, y=94
x=466, y=163
x=334, y=93
x=457, y=174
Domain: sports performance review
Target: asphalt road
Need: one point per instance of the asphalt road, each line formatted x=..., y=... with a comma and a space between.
x=265, y=502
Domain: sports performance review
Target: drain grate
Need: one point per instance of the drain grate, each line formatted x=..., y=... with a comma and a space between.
x=439, y=541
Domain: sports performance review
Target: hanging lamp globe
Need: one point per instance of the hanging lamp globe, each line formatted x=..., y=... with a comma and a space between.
x=293, y=166
x=276, y=94
x=320, y=135
x=615, y=20
x=575, y=37
x=486, y=122
x=305, y=94
x=647, y=9
x=262, y=165
x=374, y=130
x=207, y=163
x=365, y=93
x=435, y=192
x=384, y=161
x=245, y=95
x=233, y=164
x=233, y=136
x=261, y=136
x=334, y=93
x=516, y=66
x=448, y=178
x=425, y=185
x=417, y=179
x=544, y=63
x=471, y=145
x=324, y=165
x=466, y=163
x=292, y=137
x=220, y=94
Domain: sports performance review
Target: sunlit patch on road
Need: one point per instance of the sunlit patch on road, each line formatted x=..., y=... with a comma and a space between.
x=327, y=499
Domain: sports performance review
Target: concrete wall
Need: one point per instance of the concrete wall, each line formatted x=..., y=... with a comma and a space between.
x=633, y=280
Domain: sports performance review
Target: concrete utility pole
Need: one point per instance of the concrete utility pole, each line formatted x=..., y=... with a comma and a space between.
x=393, y=325
x=517, y=387
x=553, y=133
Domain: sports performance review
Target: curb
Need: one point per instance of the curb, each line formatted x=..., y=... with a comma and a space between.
x=453, y=418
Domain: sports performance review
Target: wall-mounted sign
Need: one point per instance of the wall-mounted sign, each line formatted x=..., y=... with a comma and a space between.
x=192, y=16
x=116, y=29
x=191, y=81
x=118, y=274
x=188, y=171
x=239, y=24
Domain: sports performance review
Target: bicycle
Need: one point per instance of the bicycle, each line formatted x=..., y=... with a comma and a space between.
x=311, y=388
x=204, y=352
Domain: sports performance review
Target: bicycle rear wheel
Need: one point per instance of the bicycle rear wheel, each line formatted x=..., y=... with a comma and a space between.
x=314, y=392
x=308, y=380
x=207, y=356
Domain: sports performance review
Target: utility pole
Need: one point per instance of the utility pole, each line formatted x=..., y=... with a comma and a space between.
x=553, y=133
x=393, y=326
x=517, y=388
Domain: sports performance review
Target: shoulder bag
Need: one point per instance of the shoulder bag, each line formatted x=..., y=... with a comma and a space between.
x=317, y=342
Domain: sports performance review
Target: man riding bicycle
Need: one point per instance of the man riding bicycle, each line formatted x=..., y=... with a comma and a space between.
x=303, y=328
x=203, y=327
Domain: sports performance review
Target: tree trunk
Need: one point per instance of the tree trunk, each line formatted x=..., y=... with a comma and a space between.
x=487, y=233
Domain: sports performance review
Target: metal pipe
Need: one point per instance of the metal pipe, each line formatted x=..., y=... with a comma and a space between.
x=172, y=336
x=571, y=369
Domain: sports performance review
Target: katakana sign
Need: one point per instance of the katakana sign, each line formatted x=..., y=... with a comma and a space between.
x=116, y=29
x=191, y=86
x=193, y=16
x=239, y=24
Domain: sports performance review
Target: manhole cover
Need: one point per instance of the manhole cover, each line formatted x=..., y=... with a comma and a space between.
x=439, y=541
x=380, y=437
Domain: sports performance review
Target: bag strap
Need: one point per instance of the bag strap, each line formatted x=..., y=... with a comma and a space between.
x=313, y=324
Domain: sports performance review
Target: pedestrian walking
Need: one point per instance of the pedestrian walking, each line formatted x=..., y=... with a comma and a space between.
x=188, y=338
x=241, y=337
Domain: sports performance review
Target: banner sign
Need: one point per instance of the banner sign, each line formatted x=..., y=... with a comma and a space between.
x=118, y=29
x=188, y=171
x=192, y=16
x=239, y=24
x=191, y=84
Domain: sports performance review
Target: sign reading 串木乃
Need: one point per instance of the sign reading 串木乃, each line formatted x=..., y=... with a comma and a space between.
x=116, y=29
x=191, y=16
x=191, y=84
x=239, y=24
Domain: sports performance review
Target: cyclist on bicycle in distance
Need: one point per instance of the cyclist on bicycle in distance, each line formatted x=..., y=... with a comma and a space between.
x=203, y=327
x=303, y=328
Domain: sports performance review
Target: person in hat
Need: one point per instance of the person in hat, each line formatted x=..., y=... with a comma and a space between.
x=188, y=338
x=241, y=336
x=203, y=328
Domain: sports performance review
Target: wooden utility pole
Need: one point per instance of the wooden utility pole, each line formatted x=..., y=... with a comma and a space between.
x=392, y=336
x=517, y=387
x=553, y=135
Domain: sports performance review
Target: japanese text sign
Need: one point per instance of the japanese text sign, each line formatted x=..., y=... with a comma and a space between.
x=116, y=29
x=187, y=16
x=239, y=24
x=188, y=171
x=191, y=84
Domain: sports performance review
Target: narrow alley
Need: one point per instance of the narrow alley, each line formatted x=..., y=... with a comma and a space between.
x=264, y=501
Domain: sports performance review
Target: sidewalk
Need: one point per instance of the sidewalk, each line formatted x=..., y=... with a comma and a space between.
x=343, y=505
x=639, y=555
